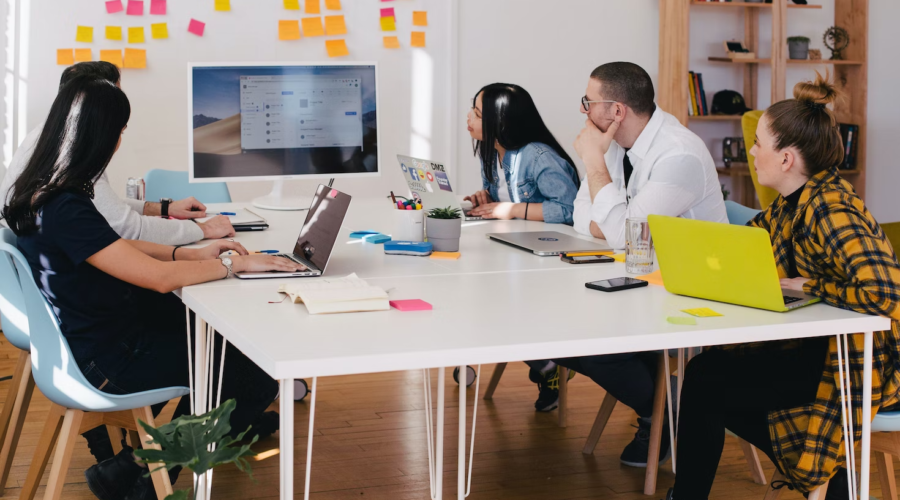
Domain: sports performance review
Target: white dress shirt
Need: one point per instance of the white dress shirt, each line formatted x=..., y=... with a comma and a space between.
x=674, y=175
x=124, y=216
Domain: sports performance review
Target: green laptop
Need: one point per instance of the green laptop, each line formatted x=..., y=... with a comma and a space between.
x=721, y=262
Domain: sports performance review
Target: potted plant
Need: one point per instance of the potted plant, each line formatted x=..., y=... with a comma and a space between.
x=798, y=47
x=443, y=229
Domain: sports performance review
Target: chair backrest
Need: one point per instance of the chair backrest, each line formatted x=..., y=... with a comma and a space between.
x=739, y=214
x=749, y=122
x=175, y=185
x=13, y=316
x=892, y=231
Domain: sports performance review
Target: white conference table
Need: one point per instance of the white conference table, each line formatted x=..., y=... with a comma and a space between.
x=495, y=304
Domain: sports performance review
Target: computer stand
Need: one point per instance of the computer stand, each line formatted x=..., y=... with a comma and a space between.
x=276, y=200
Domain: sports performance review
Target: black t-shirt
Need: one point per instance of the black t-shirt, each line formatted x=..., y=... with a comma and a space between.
x=96, y=311
x=792, y=200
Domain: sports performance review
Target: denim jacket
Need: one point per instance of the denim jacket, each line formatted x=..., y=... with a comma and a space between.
x=535, y=173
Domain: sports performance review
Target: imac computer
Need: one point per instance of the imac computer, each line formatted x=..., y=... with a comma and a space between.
x=282, y=121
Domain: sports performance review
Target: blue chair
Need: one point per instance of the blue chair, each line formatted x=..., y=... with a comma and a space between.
x=175, y=185
x=739, y=214
x=57, y=375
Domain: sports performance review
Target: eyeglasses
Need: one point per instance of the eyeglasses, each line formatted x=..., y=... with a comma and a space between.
x=587, y=104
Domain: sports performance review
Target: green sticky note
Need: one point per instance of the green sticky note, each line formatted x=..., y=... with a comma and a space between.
x=681, y=320
x=701, y=312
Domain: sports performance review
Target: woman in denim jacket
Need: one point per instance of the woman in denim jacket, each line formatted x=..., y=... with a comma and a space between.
x=537, y=179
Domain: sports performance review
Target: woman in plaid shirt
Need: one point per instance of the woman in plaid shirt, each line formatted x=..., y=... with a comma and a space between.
x=783, y=396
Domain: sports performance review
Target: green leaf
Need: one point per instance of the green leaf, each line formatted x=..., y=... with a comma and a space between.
x=179, y=495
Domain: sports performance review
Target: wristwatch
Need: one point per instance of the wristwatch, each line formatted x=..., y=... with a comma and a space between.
x=228, y=265
x=164, y=208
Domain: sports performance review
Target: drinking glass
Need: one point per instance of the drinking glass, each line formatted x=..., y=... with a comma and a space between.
x=638, y=246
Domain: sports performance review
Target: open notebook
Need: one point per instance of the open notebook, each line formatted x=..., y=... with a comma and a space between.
x=337, y=295
x=243, y=220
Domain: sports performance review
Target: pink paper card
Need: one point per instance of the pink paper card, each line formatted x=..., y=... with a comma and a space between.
x=158, y=7
x=114, y=6
x=410, y=305
x=196, y=27
x=387, y=12
x=135, y=8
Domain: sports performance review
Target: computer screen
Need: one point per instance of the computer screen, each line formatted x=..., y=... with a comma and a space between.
x=284, y=121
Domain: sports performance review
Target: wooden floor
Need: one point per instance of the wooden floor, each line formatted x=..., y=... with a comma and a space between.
x=370, y=444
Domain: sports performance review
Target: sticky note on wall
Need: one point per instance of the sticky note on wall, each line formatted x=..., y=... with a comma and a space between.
x=391, y=42
x=223, y=5
x=388, y=24
x=136, y=34
x=333, y=4
x=420, y=18
x=65, y=57
x=335, y=25
x=135, y=58
x=312, y=26
x=113, y=32
x=417, y=39
x=135, y=8
x=313, y=7
x=83, y=55
x=196, y=27
x=336, y=48
x=112, y=56
x=289, y=30
x=114, y=6
x=388, y=12
x=159, y=31
x=292, y=4
x=84, y=34
x=158, y=7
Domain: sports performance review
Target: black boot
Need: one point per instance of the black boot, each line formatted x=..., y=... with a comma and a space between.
x=671, y=494
x=113, y=478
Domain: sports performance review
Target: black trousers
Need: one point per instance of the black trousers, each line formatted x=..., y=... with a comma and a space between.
x=723, y=390
x=629, y=377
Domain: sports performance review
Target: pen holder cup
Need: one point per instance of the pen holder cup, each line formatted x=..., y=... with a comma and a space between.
x=409, y=225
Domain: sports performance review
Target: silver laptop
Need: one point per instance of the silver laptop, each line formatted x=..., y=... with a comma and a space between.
x=428, y=181
x=316, y=241
x=546, y=243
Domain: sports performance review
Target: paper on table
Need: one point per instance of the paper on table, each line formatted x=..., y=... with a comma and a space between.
x=312, y=26
x=84, y=34
x=417, y=39
x=312, y=7
x=337, y=295
x=288, y=29
x=391, y=42
x=701, y=312
x=292, y=4
x=336, y=48
x=113, y=32
x=83, y=55
x=420, y=18
x=196, y=27
x=114, y=6
x=135, y=58
x=388, y=24
x=335, y=25
x=388, y=12
x=159, y=31
x=112, y=56
x=223, y=5
x=158, y=7
x=242, y=217
x=135, y=8
x=654, y=278
x=681, y=320
x=65, y=57
x=333, y=4
x=136, y=34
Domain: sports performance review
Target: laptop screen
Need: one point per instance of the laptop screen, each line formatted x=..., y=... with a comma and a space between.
x=323, y=223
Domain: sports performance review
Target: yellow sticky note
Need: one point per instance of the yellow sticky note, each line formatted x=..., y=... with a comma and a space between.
x=619, y=257
x=420, y=18
x=334, y=25
x=136, y=34
x=223, y=5
x=391, y=42
x=112, y=56
x=312, y=26
x=445, y=255
x=292, y=4
x=84, y=34
x=701, y=312
x=336, y=48
x=681, y=320
x=312, y=7
x=135, y=58
x=654, y=278
x=65, y=57
x=388, y=24
x=113, y=32
x=333, y=4
x=159, y=31
x=417, y=39
x=289, y=30
x=83, y=55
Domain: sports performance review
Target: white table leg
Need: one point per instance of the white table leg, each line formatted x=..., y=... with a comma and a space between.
x=199, y=376
x=461, y=473
x=866, y=415
x=286, y=437
x=309, y=439
x=439, y=439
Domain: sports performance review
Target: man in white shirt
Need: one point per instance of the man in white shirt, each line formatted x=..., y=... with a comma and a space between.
x=131, y=219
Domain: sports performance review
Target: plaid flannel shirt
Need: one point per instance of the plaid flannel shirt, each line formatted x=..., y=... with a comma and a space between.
x=850, y=264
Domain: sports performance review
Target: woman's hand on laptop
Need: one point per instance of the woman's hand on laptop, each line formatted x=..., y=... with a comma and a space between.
x=482, y=197
x=794, y=283
x=263, y=263
x=211, y=251
x=501, y=210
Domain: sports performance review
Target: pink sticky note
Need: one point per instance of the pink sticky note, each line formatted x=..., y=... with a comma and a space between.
x=135, y=8
x=158, y=7
x=196, y=27
x=388, y=12
x=387, y=0
x=114, y=6
x=410, y=305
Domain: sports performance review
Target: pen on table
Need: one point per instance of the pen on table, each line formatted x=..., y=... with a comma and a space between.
x=393, y=198
x=221, y=213
x=266, y=251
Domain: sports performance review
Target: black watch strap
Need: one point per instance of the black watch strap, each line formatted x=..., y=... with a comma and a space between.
x=164, y=207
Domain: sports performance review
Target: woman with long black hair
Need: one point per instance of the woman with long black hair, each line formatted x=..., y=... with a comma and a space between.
x=537, y=178
x=124, y=328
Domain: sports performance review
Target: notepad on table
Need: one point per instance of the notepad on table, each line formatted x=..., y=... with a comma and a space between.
x=242, y=217
x=337, y=295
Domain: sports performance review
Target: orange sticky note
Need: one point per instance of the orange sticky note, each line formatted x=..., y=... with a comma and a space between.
x=336, y=48
x=388, y=24
x=112, y=56
x=312, y=26
x=288, y=30
x=391, y=42
x=312, y=7
x=83, y=55
x=113, y=32
x=417, y=39
x=136, y=34
x=292, y=4
x=135, y=58
x=159, y=31
x=334, y=25
x=84, y=34
x=223, y=5
x=445, y=255
x=333, y=4
x=420, y=18
x=654, y=278
x=65, y=57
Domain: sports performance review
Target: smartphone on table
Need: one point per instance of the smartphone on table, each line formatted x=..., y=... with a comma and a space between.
x=616, y=284
x=587, y=259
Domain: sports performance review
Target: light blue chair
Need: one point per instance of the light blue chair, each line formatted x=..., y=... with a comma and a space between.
x=175, y=185
x=77, y=405
x=739, y=214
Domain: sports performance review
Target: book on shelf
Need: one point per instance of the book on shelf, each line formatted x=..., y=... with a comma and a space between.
x=702, y=93
x=850, y=139
x=693, y=81
x=697, y=105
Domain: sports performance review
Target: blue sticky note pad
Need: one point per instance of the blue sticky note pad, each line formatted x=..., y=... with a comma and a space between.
x=358, y=235
x=417, y=248
x=376, y=238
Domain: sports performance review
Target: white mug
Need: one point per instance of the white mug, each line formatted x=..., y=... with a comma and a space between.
x=409, y=225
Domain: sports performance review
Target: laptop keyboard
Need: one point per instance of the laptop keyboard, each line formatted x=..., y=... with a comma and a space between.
x=298, y=261
x=791, y=300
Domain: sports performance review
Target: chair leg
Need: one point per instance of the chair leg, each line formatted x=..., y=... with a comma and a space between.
x=818, y=493
x=42, y=453
x=161, y=482
x=885, y=464
x=68, y=433
x=14, y=412
x=135, y=439
x=772, y=493
x=752, y=457
x=606, y=409
x=656, y=427
x=115, y=438
x=495, y=379
x=563, y=394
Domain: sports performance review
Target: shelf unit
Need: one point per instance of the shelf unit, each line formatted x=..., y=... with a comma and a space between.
x=851, y=74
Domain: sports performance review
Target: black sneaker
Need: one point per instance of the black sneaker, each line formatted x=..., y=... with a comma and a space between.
x=266, y=425
x=113, y=478
x=837, y=487
x=635, y=454
x=548, y=388
x=142, y=489
x=671, y=494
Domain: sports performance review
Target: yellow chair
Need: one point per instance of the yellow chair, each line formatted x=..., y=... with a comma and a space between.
x=892, y=231
x=749, y=122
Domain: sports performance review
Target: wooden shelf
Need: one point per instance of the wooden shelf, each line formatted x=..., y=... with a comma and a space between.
x=739, y=61
x=716, y=118
x=749, y=4
x=789, y=61
x=736, y=169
